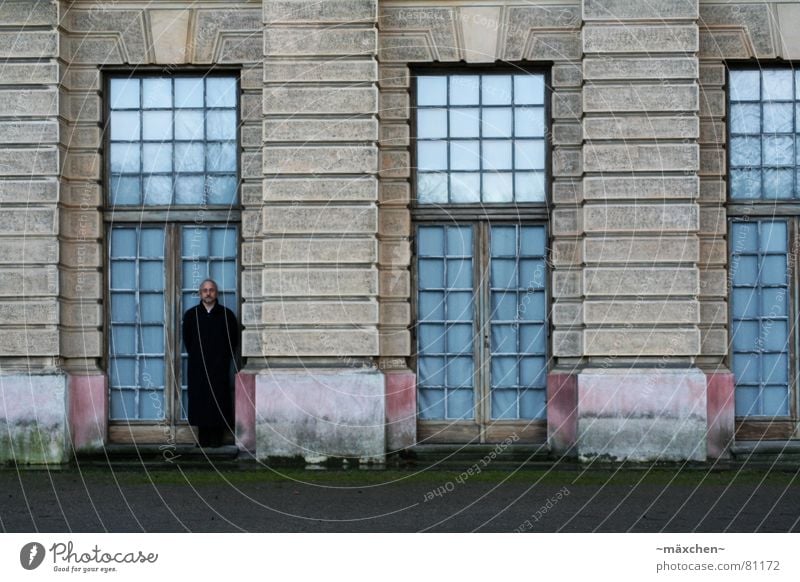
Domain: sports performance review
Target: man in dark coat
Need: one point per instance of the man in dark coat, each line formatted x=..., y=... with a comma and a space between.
x=211, y=336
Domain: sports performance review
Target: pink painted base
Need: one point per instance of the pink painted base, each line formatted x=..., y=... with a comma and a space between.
x=88, y=411
x=721, y=413
x=401, y=410
x=562, y=412
x=245, y=403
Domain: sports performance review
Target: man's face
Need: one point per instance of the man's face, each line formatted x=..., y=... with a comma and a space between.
x=208, y=294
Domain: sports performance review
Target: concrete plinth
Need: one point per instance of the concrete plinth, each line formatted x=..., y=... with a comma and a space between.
x=562, y=411
x=721, y=414
x=88, y=412
x=642, y=414
x=401, y=410
x=318, y=414
x=245, y=402
x=33, y=418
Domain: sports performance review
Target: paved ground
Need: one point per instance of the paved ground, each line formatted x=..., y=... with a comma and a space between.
x=219, y=497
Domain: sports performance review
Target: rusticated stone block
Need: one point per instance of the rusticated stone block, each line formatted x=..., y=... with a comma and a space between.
x=712, y=190
x=305, y=100
x=567, y=284
x=567, y=162
x=641, y=342
x=567, y=75
x=252, y=136
x=567, y=106
x=393, y=77
x=396, y=193
x=321, y=160
x=302, y=41
x=626, y=10
x=656, y=312
x=312, y=11
x=639, y=187
x=712, y=74
x=252, y=164
x=361, y=219
x=31, y=341
x=714, y=342
x=611, y=68
x=395, y=164
x=29, y=312
x=79, y=78
x=712, y=103
x=81, y=284
x=86, y=137
x=646, y=281
x=29, y=43
x=28, y=13
x=567, y=344
x=317, y=282
x=566, y=314
x=81, y=314
x=651, y=98
x=395, y=222
x=81, y=254
x=393, y=105
x=82, y=166
x=316, y=189
x=28, y=250
x=640, y=38
x=567, y=134
x=713, y=283
x=29, y=162
x=713, y=252
x=640, y=217
x=395, y=283
x=251, y=107
x=394, y=135
x=756, y=30
x=85, y=107
x=640, y=157
x=29, y=73
x=566, y=221
x=712, y=161
x=311, y=130
x=28, y=102
x=566, y=253
x=395, y=342
x=394, y=253
x=28, y=221
x=713, y=312
x=319, y=312
x=712, y=133
x=712, y=221
x=81, y=224
x=641, y=127
x=83, y=343
x=567, y=191
x=28, y=191
x=521, y=20
x=480, y=27
x=395, y=313
x=641, y=249
x=340, y=343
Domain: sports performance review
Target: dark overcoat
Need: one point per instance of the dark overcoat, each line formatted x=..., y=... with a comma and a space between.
x=211, y=339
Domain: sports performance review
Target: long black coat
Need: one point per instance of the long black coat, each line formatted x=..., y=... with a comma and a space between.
x=211, y=339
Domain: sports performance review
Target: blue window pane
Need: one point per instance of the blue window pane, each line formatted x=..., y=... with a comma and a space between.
x=464, y=155
x=528, y=89
x=431, y=371
x=152, y=339
x=745, y=270
x=151, y=404
x=123, y=307
x=151, y=243
x=432, y=156
x=189, y=92
x=532, y=404
x=156, y=93
x=498, y=187
x=189, y=189
x=157, y=157
x=504, y=339
x=532, y=306
x=459, y=241
x=123, y=242
x=496, y=154
x=532, y=339
x=745, y=151
x=432, y=123
x=195, y=242
x=775, y=401
x=125, y=157
x=504, y=404
x=504, y=273
x=529, y=186
x=459, y=339
x=464, y=90
x=778, y=150
x=534, y=241
x=745, y=183
x=745, y=85
x=746, y=401
x=220, y=91
x=777, y=84
x=124, y=93
x=459, y=273
x=773, y=270
x=773, y=237
x=224, y=242
x=431, y=91
x=460, y=404
x=465, y=187
x=504, y=371
x=125, y=125
x=529, y=122
x=775, y=335
x=431, y=305
x=158, y=190
x=460, y=306
x=123, y=339
x=431, y=404
x=432, y=188
x=189, y=125
x=504, y=306
x=773, y=302
x=224, y=273
x=745, y=303
x=496, y=90
x=123, y=404
x=745, y=336
x=504, y=241
x=123, y=275
x=431, y=273
x=746, y=118
x=747, y=368
x=221, y=157
x=151, y=275
x=189, y=157
x=157, y=125
x=531, y=273
x=778, y=118
x=464, y=122
x=776, y=369
x=496, y=122
x=533, y=372
x=151, y=372
x=744, y=237
x=529, y=154
x=152, y=307
x=459, y=372
x=123, y=372
x=125, y=190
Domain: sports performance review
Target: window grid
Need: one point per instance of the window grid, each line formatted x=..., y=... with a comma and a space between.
x=760, y=312
x=446, y=375
x=766, y=170
x=145, y=165
x=518, y=375
x=525, y=182
x=137, y=338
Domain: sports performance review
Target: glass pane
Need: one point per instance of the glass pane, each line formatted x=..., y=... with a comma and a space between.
x=126, y=190
x=431, y=404
x=221, y=91
x=773, y=236
x=125, y=157
x=532, y=305
x=504, y=273
x=464, y=122
x=777, y=84
x=778, y=183
x=746, y=401
x=123, y=242
x=151, y=275
x=504, y=371
x=528, y=89
x=432, y=156
x=151, y=404
x=531, y=273
x=504, y=241
x=747, y=368
x=778, y=118
x=459, y=273
x=529, y=122
x=460, y=306
x=189, y=157
x=464, y=90
x=431, y=273
x=504, y=404
x=125, y=125
x=775, y=335
x=465, y=187
x=529, y=154
x=532, y=339
x=189, y=92
x=532, y=404
x=504, y=305
x=123, y=275
x=745, y=271
x=745, y=151
x=124, y=93
x=221, y=125
x=157, y=157
x=152, y=307
x=431, y=188
x=221, y=189
x=459, y=404
x=151, y=242
x=496, y=90
x=157, y=93
x=157, y=125
x=504, y=339
x=431, y=371
x=123, y=372
x=496, y=122
x=776, y=401
x=533, y=241
x=778, y=151
x=432, y=123
x=189, y=189
x=431, y=305
x=189, y=125
x=533, y=372
x=430, y=241
x=151, y=372
x=776, y=369
x=123, y=339
x=153, y=339
x=224, y=242
x=459, y=339
x=221, y=157
x=746, y=118
x=224, y=273
x=773, y=270
x=744, y=303
x=459, y=372
x=459, y=241
x=465, y=155
x=432, y=91
x=773, y=303
x=496, y=155
x=744, y=86
x=158, y=190
x=498, y=187
x=745, y=183
x=744, y=237
x=123, y=307
x=745, y=336
x=529, y=186
x=123, y=404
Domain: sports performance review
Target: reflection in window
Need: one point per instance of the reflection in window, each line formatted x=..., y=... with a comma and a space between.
x=173, y=141
x=480, y=138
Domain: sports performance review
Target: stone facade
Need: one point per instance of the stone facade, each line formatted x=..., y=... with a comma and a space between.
x=636, y=211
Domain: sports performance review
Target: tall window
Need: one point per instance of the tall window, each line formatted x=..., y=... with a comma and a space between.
x=481, y=247
x=172, y=221
x=764, y=198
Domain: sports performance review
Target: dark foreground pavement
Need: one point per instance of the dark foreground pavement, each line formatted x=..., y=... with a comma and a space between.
x=223, y=497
